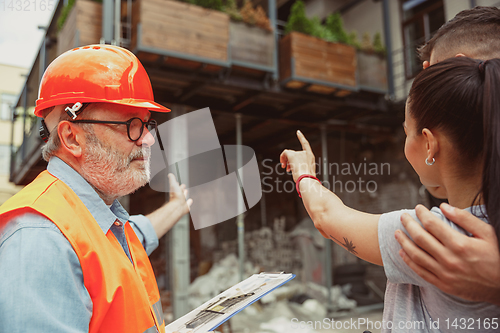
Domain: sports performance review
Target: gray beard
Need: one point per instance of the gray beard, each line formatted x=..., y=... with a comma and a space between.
x=110, y=173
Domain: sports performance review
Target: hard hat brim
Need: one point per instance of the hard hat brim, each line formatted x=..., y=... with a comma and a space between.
x=145, y=104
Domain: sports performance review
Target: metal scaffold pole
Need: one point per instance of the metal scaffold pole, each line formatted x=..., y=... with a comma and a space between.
x=179, y=242
x=328, y=243
x=240, y=220
x=388, y=45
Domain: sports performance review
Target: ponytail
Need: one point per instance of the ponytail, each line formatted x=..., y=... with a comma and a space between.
x=491, y=128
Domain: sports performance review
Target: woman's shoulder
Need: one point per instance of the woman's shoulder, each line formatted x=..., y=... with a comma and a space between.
x=394, y=218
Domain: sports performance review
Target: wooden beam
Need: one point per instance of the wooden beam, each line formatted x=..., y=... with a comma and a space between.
x=246, y=100
x=297, y=106
x=190, y=91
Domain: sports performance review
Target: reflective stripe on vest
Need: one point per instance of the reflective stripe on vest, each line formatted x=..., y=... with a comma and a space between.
x=125, y=296
x=151, y=330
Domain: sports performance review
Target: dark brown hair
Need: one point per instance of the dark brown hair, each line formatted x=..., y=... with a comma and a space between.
x=474, y=32
x=460, y=97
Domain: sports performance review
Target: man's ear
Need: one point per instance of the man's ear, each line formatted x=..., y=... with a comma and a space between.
x=432, y=143
x=71, y=138
x=426, y=64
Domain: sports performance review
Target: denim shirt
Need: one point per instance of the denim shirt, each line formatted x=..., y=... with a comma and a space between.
x=41, y=280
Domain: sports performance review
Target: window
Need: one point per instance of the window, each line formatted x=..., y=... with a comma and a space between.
x=5, y=153
x=421, y=18
x=7, y=101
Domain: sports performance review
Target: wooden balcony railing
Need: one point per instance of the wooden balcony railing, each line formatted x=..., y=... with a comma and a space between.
x=186, y=34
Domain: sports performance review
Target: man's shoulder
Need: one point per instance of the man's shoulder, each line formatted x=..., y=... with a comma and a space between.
x=28, y=225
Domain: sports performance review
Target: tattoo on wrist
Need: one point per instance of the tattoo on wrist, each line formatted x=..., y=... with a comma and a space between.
x=349, y=246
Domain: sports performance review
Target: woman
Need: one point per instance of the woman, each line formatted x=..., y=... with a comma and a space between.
x=452, y=125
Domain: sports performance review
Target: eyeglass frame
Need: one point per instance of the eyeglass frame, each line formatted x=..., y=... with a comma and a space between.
x=151, y=122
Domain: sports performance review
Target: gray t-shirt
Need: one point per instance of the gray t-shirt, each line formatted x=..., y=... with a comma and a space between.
x=414, y=305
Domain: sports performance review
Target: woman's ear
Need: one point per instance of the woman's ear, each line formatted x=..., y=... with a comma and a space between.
x=431, y=142
x=71, y=138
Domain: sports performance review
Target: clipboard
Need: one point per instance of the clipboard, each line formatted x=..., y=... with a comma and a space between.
x=219, y=309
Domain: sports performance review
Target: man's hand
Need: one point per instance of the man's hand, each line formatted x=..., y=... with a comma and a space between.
x=467, y=267
x=165, y=217
x=299, y=162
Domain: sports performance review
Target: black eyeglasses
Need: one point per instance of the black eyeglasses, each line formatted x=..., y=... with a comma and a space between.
x=135, y=126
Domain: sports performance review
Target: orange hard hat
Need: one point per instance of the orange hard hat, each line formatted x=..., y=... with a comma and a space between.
x=96, y=73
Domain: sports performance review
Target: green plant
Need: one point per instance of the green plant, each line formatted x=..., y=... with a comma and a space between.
x=335, y=25
x=64, y=14
x=211, y=4
x=331, y=31
x=320, y=31
x=366, y=43
x=231, y=8
x=378, y=47
x=248, y=14
x=353, y=40
x=375, y=46
x=298, y=21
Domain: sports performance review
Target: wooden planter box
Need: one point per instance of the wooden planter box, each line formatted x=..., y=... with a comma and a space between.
x=82, y=26
x=323, y=66
x=372, y=72
x=251, y=45
x=179, y=29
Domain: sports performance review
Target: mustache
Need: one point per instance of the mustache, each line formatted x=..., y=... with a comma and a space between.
x=141, y=153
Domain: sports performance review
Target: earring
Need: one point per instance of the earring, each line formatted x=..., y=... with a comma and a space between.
x=430, y=163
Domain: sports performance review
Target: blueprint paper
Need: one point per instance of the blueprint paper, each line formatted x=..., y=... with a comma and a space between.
x=216, y=311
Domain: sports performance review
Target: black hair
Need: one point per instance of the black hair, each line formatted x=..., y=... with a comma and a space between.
x=460, y=97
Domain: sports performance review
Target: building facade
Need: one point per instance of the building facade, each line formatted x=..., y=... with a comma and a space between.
x=11, y=132
x=265, y=84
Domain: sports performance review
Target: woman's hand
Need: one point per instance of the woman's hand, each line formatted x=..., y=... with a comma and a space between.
x=299, y=162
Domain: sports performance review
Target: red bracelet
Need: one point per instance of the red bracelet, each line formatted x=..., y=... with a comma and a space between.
x=300, y=178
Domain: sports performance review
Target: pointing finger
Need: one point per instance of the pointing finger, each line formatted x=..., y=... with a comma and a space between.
x=304, y=142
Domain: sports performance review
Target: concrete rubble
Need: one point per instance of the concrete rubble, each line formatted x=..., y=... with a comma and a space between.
x=304, y=299
x=274, y=312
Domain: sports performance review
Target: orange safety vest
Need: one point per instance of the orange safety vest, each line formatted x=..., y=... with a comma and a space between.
x=125, y=297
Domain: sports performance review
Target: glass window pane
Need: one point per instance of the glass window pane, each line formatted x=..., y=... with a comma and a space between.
x=4, y=159
x=420, y=20
x=6, y=103
x=436, y=19
x=414, y=37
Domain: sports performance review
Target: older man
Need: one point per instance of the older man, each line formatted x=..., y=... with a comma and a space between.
x=71, y=259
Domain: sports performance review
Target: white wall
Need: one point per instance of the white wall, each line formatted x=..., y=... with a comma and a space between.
x=488, y=2
x=452, y=7
x=12, y=79
x=322, y=8
x=365, y=17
